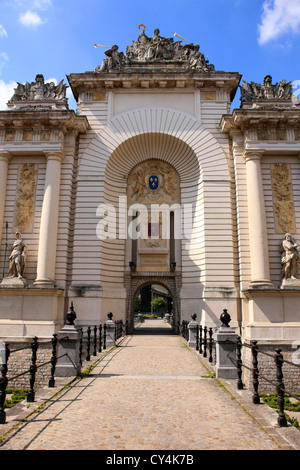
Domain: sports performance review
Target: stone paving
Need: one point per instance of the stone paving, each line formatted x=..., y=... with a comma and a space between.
x=150, y=393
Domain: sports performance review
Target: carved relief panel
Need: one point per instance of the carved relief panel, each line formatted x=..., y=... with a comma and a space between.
x=283, y=198
x=154, y=183
x=25, y=198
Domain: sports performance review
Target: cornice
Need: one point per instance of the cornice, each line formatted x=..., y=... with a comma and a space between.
x=88, y=81
x=62, y=119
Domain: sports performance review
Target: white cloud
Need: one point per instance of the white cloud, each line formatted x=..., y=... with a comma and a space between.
x=279, y=17
x=30, y=18
x=3, y=32
x=3, y=60
x=42, y=4
x=6, y=92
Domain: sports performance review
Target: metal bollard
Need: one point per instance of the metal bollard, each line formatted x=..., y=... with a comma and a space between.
x=53, y=361
x=255, y=373
x=32, y=370
x=282, y=422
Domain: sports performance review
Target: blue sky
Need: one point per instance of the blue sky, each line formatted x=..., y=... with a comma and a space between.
x=56, y=37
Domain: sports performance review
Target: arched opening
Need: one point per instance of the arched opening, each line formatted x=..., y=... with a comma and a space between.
x=152, y=308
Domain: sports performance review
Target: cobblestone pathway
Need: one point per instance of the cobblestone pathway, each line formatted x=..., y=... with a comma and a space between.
x=151, y=392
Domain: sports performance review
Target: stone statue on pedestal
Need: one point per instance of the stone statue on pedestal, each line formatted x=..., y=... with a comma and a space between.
x=290, y=257
x=17, y=262
x=289, y=261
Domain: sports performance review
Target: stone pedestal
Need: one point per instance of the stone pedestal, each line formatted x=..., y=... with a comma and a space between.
x=110, y=333
x=68, y=365
x=226, y=339
x=193, y=328
x=293, y=284
x=14, y=282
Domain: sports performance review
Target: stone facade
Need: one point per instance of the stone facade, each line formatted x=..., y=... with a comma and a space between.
x=159, y=111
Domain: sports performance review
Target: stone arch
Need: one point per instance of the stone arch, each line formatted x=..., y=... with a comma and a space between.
x=131, y=152
x=155, y=120
x=171, y=283
x=199, y=159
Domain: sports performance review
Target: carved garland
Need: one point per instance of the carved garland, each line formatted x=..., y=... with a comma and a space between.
x=283, y=198
x=25, y=199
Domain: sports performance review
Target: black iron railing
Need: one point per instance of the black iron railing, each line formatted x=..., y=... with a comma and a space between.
x=32, y=370
x=257, y=375
x=92, y=340
x=205, y=343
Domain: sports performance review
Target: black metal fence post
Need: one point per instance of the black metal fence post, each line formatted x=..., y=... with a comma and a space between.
x=210, y=359
x=88, y=356
x=53, y=361
x=95, y=341
x=239, y=363
x=200, y=340
x=3, y=383
x=205, y=342
x=100, y=339
x=80, y=346
x=255, y=373
x=32, y=370
x=282, y=422
x=104, y=336
x=197, y=338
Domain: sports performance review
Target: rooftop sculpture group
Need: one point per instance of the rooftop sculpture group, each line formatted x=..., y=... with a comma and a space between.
x=155, y=49
x=37, y=93
x=267, y=92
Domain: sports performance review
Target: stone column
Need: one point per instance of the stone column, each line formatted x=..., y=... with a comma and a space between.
x=49, y=222
x=4, y=159
x=259, y=253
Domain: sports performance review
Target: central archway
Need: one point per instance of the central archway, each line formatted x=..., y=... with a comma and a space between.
x=169, y=281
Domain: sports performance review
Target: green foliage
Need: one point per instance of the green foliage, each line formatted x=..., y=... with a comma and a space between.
x=271, y=401
x=158, y=303
x=17, y=396
x=137, y=303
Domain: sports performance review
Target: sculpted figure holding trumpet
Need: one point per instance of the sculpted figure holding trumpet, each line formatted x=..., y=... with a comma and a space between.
x=155, y=49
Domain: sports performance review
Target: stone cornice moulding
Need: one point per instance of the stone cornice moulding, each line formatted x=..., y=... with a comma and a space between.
x=65, y=121
x=88, y=81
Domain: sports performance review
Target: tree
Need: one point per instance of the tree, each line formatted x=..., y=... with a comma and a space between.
x=158, y=303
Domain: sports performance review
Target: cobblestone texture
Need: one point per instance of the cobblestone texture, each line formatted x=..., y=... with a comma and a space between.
x=152, y=393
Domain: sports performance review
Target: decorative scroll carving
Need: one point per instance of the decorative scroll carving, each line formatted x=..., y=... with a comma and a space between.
x=25, y=199
x=155, y=49
x=251, y=92
x=283, y=198
x=39, y=94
